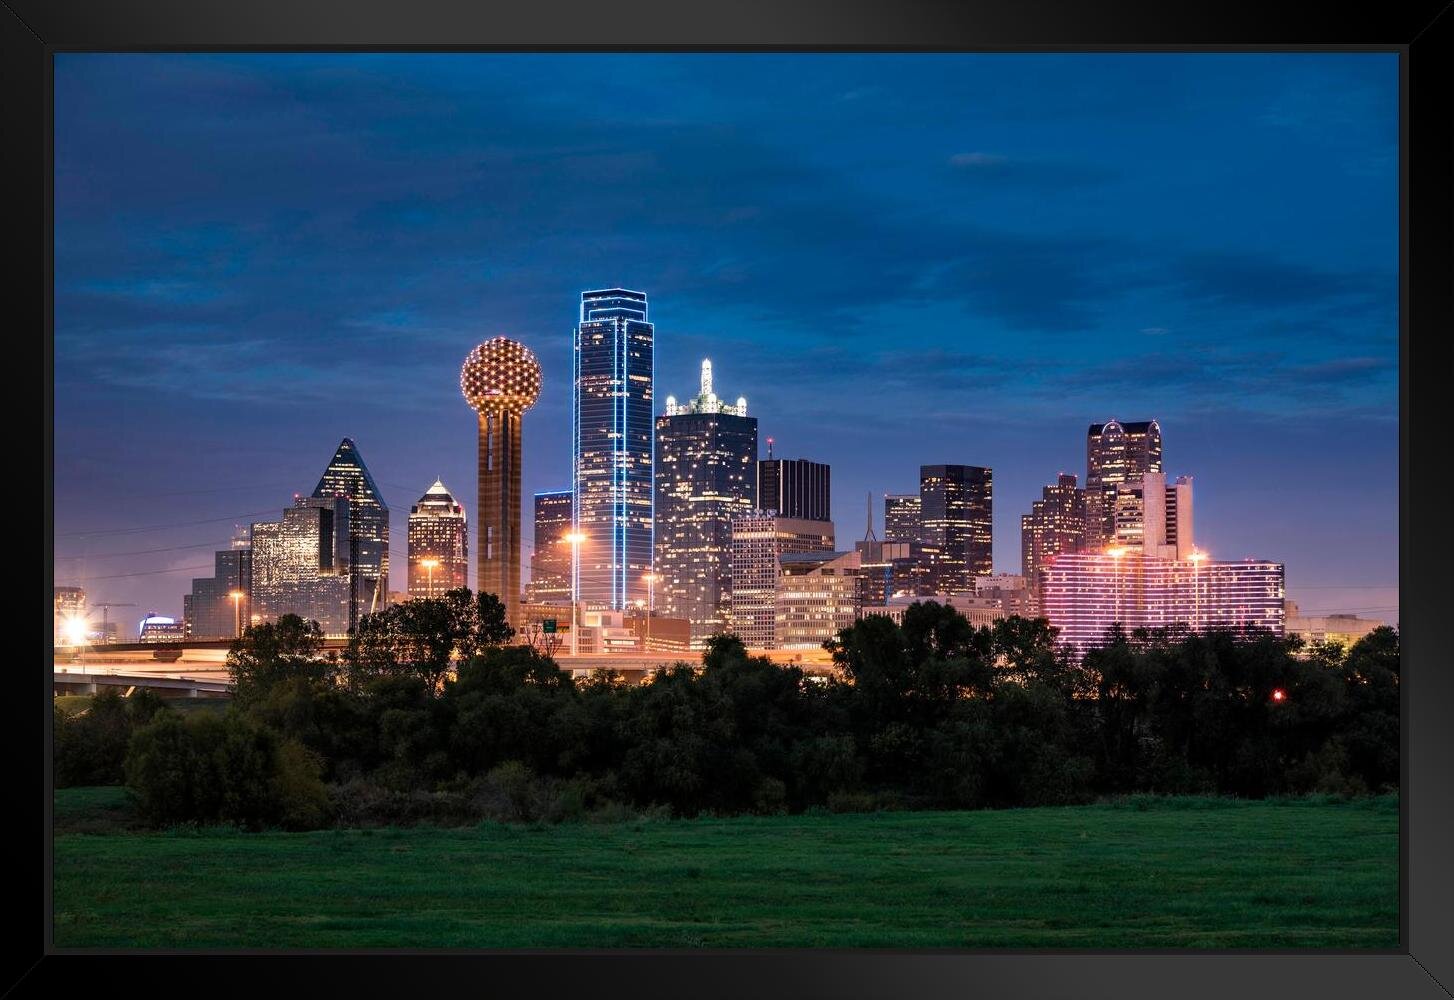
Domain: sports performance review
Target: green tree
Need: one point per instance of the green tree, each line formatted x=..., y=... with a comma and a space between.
x=272, y=652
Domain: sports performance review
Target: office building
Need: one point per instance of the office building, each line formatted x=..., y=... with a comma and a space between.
x=794, y=487
x=1115, y=453
x=1056, y=523
x=368, y=525
x=1339, y=629
x=901, y=517
x=817, y=597
x=1083, y=594
x=892, y=569
x=612, y=447
x=160, y=628
x=705, y=453
x=759, y=540
x=439, y=559
x=301, y=565
x=956, y=504
x=219, y=606
x=500, y=380
x=550, y=558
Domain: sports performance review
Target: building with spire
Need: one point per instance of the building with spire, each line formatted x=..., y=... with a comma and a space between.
x=611, y=445
x=368, y=528
x=438, y=544
x=705, y=452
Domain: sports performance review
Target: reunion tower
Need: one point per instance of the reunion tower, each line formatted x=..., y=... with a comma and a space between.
x=500, y=380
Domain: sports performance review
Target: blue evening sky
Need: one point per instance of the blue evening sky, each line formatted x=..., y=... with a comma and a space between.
x=898, y=259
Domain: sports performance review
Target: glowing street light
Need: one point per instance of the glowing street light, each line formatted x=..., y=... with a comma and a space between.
x=574, y=539
x=1116, y=552
x=237, y=597
x=1197, y=558
x=1279, y=695
x=650, y=578
x=74, y=630
x=429, y=566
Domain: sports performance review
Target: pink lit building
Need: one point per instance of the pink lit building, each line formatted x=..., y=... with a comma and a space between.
x=1084, y=593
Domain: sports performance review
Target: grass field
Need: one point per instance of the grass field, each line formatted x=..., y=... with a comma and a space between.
x=1175, y=873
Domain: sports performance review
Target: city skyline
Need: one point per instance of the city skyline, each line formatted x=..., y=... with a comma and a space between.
x=202, y=415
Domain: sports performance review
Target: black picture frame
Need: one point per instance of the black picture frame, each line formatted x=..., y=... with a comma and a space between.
x=1422, y=33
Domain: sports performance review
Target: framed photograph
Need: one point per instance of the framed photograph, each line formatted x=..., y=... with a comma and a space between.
x=829, y=499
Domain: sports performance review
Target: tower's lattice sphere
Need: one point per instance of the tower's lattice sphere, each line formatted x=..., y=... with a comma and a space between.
x=500, y=374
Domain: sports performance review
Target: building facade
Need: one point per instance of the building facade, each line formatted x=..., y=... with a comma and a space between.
x=1084, y=593
x=439, y=557
x=71, y=628
x=211, y=611
x=612, y=447
x=368, y=525
x=817, y=596
x=1115, y=453
x=1056, y=523
x=300, y=565
x=794, y=487
x=759, y=540
x=901, y=517
x=1339, y=629
x=550, y=559
x=956, y=513
x=705, y=454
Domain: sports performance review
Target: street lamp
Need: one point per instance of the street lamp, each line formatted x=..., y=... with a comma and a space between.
x=650, y=578
x=574, y=539
x=429, y=565
x=236, y=596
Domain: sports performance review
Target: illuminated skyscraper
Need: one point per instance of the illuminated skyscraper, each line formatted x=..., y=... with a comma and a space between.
x=210, y=611
x=705, y=452
x=901, y=517
x=439, y=558
x=301, y=565
x=612, y=447
x=550, y=559
x=956, y=513
x=1115, y=453
x=368, y=524
x=817, y=597
x=1055, y=524
x=794, y=487
x=500, y=380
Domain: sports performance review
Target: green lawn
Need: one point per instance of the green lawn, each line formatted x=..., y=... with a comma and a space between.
x=1169, y=873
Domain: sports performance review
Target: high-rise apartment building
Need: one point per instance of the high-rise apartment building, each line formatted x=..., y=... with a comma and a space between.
x=1056, y=523
x=550, y=559
x=368, y=525
x=1084, y=593
x=439, y=558
x=1115, y=453
x=219, y=606
x=901, y=517
x=759, y=540
x=705, y=452
x=301, y=565
x=612, y=447
x=794, y=487
x=956, y=506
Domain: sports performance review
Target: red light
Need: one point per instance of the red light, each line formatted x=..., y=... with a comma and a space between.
x=1279, y=695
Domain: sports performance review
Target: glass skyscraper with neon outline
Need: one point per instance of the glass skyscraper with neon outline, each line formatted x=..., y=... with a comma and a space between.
x=611, y=440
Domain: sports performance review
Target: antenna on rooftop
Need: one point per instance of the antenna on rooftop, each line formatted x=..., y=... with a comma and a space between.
x=869, y=536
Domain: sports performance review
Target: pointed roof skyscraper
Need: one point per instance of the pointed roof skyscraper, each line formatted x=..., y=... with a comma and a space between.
x=368, y=527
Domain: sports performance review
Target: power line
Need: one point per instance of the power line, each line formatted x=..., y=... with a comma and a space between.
x=143, y=552
x=164, y=527
x=154, y=572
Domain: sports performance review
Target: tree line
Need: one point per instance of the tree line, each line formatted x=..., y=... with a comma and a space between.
x=431, y=715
